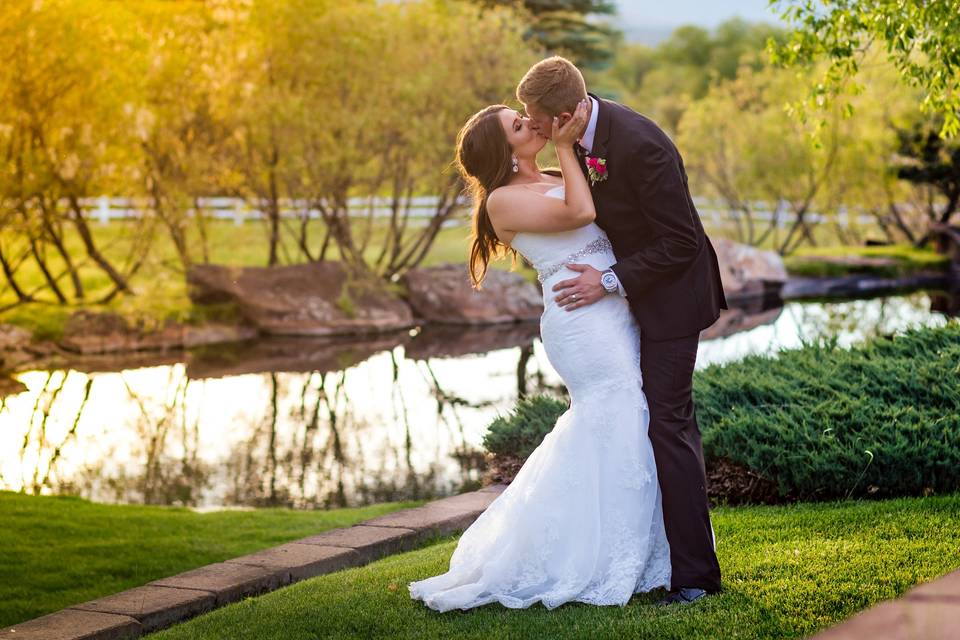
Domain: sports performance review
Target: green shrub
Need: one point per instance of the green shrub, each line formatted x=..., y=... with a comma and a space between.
x=519, y=433
x=820, y=422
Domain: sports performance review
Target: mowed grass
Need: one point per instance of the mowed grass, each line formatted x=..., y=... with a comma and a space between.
x=788, y=572
x=59, y=551
x=815, y=262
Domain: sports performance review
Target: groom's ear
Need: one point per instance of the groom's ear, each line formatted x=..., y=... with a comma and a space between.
x=564, y=117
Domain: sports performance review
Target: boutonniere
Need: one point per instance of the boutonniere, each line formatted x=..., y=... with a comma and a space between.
x=597, y=168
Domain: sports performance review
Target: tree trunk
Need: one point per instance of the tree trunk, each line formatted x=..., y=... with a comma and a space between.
x=8, y=272
x=85, y=234
x=202, y=228
x=41, y=262
x=47, y=218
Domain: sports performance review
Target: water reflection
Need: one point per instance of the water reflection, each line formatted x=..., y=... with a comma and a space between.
x=315, y=423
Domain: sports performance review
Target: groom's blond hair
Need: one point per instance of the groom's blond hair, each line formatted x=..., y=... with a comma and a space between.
x=555, y=85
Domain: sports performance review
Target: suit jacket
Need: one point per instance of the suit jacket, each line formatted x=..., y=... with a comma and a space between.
x=665, y=261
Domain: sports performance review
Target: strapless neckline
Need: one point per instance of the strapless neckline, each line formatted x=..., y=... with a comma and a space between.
x=553, y=192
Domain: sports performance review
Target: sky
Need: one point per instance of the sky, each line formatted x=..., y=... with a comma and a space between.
x=651, y=20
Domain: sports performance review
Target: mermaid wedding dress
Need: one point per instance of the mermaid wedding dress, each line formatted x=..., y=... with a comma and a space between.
x=582, y=520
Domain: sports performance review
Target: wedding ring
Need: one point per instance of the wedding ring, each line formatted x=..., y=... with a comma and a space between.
x=573, y=297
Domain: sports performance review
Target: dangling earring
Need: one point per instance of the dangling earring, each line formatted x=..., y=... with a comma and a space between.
x=516, y=164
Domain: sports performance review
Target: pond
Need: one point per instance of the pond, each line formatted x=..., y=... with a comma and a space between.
x=308, y=423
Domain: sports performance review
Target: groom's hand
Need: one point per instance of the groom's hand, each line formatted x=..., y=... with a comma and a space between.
x=580, y=291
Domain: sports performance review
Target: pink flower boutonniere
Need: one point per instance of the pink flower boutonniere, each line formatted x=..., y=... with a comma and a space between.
x=597, y=168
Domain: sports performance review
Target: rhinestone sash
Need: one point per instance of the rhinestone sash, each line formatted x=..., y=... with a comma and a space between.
x=597, y=245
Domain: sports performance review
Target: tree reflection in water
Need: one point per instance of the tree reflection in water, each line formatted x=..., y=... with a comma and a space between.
x=168, y=442
x=309, y=423
x=39, y=441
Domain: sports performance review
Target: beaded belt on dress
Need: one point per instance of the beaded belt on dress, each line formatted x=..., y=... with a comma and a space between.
x=598, y=245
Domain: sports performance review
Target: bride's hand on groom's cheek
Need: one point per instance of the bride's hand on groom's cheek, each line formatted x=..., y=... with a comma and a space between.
x=581, y=291
x=568, y=128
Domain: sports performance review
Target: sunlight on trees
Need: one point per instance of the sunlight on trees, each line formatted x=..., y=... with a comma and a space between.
x=920, y=37
x=292, y=105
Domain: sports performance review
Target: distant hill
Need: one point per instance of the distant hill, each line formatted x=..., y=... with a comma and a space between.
x=641, y=22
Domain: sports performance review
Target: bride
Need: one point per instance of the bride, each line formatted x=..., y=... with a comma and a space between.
x=582, y=520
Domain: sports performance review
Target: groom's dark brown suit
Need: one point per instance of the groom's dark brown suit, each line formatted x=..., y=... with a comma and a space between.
x=669, y=271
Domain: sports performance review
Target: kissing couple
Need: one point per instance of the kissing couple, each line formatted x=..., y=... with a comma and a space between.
x=613, y=501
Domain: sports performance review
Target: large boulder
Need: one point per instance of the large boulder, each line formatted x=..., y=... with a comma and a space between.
x=443, y=294
x=15, y=347
x=747, y=271
x=13, y=338
x=90, y=332
x=314, y=299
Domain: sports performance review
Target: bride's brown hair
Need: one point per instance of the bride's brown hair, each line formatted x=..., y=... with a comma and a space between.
x=484, y=160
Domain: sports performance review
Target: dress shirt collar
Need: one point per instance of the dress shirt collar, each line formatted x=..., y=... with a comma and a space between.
x=587, y=140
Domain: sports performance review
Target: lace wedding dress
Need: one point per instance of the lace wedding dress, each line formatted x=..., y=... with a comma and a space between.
x=582, y=520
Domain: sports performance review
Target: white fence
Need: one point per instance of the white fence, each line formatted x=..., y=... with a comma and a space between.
x=239, y=210
x=423, y=208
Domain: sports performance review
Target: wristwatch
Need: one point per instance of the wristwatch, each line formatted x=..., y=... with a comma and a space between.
x=609, y=281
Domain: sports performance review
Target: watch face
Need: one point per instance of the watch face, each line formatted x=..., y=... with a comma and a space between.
x=609, y=281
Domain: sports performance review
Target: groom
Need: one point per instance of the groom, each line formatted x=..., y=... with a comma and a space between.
x=667, y=270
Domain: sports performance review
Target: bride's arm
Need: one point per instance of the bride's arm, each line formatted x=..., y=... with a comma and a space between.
x=564, y=137
x=516, y=209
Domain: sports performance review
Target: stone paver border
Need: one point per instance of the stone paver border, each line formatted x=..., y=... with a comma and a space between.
x=930, y=611
x=161, y=603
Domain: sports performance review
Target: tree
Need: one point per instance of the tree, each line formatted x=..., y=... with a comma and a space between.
x=70, y=86
x=181, y=140
x=662, y=82
x=566, y=27
x=740, y=148
x=932, y=166
x=920, y=37
x=331, y=101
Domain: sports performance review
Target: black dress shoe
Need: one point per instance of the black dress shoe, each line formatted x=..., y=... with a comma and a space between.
x=683, y=595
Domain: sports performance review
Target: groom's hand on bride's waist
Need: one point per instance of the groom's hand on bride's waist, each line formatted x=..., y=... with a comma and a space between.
x=580, y=291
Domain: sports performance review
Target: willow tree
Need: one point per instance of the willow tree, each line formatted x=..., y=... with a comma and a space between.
x=181, y=140
x=329, y=101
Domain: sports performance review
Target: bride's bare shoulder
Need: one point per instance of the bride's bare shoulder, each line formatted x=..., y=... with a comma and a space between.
x=503, y=198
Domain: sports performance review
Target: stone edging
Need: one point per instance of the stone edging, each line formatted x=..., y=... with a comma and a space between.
x=162, y=603
x=930, y=611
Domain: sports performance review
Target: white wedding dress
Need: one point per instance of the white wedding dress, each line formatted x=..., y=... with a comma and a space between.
x=582, y=520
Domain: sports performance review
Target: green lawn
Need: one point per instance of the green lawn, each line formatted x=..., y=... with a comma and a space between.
x=820, y=262
x=58, y=551
x=788, y=571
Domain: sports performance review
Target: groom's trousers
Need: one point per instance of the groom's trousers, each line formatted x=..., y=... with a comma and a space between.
x=667, y=368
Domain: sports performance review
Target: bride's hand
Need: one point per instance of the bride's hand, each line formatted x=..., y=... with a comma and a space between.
x=572, y=129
